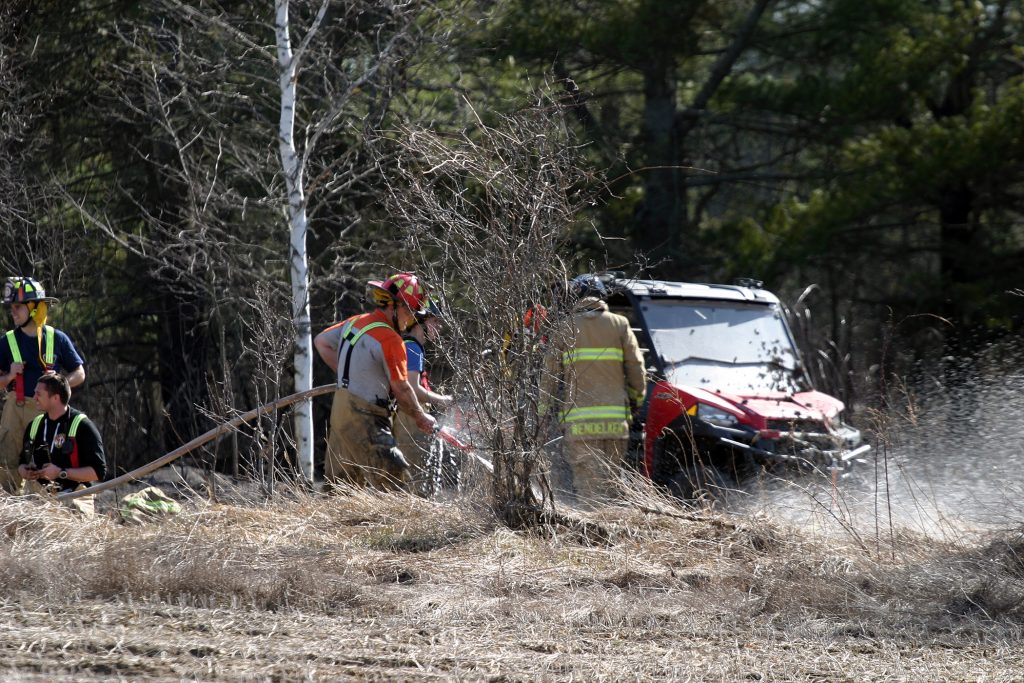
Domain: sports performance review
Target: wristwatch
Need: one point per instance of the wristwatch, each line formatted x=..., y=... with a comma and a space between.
x=63, y=474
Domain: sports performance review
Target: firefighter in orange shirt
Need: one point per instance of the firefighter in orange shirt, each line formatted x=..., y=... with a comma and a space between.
x=367, y=352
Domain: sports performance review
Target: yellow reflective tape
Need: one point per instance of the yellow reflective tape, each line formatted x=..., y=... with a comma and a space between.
x=596, y=413
x=692, y=410
x=597, y=416
x=15, y=351
x=50, y=355
x=592, y=353
x=358, y=335
x=72, y=431
x=598, y=429
x=598, y=409
x=74, y=424
x=34, y=429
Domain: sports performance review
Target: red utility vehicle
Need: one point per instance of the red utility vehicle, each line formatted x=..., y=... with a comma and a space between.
x=727, y=397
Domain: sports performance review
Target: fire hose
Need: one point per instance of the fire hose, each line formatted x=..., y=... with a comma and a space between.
x=211, y=435
x=449, y=437
x=443, y=433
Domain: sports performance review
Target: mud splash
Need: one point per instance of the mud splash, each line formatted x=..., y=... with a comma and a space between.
x=948, y=461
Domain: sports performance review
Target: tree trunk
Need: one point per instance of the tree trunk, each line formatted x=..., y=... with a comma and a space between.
x=183, y=351
x=661, y=218
x=955, y=204
x=957, y=234
x=293, y=174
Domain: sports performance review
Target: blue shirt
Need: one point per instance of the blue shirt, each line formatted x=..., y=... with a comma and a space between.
x=413, y=355
x=65, y=356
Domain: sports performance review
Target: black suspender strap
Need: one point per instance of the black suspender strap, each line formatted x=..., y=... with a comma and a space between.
x=350, y=336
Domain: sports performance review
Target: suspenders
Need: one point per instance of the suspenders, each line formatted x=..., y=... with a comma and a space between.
x=72, y=431
x=48, y=359
x=352, y=336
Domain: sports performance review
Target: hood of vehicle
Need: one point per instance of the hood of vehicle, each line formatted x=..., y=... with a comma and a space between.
x=804, y=405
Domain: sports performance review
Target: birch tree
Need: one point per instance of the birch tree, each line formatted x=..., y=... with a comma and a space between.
x=228, y=133
x=293, y=166
x=294, y=162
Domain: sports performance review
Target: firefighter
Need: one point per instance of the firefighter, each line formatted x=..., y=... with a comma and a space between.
x=534, y=321
x=30, y=350
x=369, y=357
x=411, y=442
x=600, y=380
x=63, y=450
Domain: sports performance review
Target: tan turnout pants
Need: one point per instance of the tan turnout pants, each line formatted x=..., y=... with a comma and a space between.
x=415, y=446
x=13, y=423
x=361, y=449
x=594, y=464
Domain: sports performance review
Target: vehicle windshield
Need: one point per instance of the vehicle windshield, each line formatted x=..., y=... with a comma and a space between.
x=725, y=346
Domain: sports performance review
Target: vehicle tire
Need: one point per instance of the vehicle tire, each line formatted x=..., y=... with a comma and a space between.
x=634, y=457
x=697, y=482
x=681, y=467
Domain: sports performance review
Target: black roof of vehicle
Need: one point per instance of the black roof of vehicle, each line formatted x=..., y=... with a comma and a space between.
x=691, y=290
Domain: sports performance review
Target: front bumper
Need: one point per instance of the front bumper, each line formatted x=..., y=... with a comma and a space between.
x=835, y=450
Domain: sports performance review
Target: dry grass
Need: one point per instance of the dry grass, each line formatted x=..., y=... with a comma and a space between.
x=386, y=587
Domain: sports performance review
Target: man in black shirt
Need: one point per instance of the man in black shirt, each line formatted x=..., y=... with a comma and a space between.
x=63, y=449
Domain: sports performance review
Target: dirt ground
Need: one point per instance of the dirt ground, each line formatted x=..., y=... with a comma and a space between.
x=395, y=588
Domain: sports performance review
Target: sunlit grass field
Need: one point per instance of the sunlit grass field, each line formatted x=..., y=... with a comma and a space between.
x=360, y=586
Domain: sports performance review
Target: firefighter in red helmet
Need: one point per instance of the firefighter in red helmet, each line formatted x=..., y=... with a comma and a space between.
x=369, y=356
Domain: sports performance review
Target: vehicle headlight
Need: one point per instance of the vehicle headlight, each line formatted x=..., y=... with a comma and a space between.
x=849, y=436
x=715, y=416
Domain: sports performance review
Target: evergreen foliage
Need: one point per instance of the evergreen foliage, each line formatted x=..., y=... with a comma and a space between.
x=872, y=147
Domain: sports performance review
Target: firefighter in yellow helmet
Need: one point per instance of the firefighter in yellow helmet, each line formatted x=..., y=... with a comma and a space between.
x=31, y=349
x=598, y=374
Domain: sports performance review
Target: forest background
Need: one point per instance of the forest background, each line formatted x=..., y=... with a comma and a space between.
x=862, y=157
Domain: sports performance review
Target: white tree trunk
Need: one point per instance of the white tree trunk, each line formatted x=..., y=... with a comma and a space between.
x=293, y=174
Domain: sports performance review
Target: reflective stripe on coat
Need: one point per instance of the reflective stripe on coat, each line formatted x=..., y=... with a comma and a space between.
x=602, y=375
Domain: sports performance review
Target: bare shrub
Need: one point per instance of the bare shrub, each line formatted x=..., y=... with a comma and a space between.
x=488, y=211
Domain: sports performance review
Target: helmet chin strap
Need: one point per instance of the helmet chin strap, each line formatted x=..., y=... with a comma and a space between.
x=402, y=330
x=394, y=316
x=33, y=311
